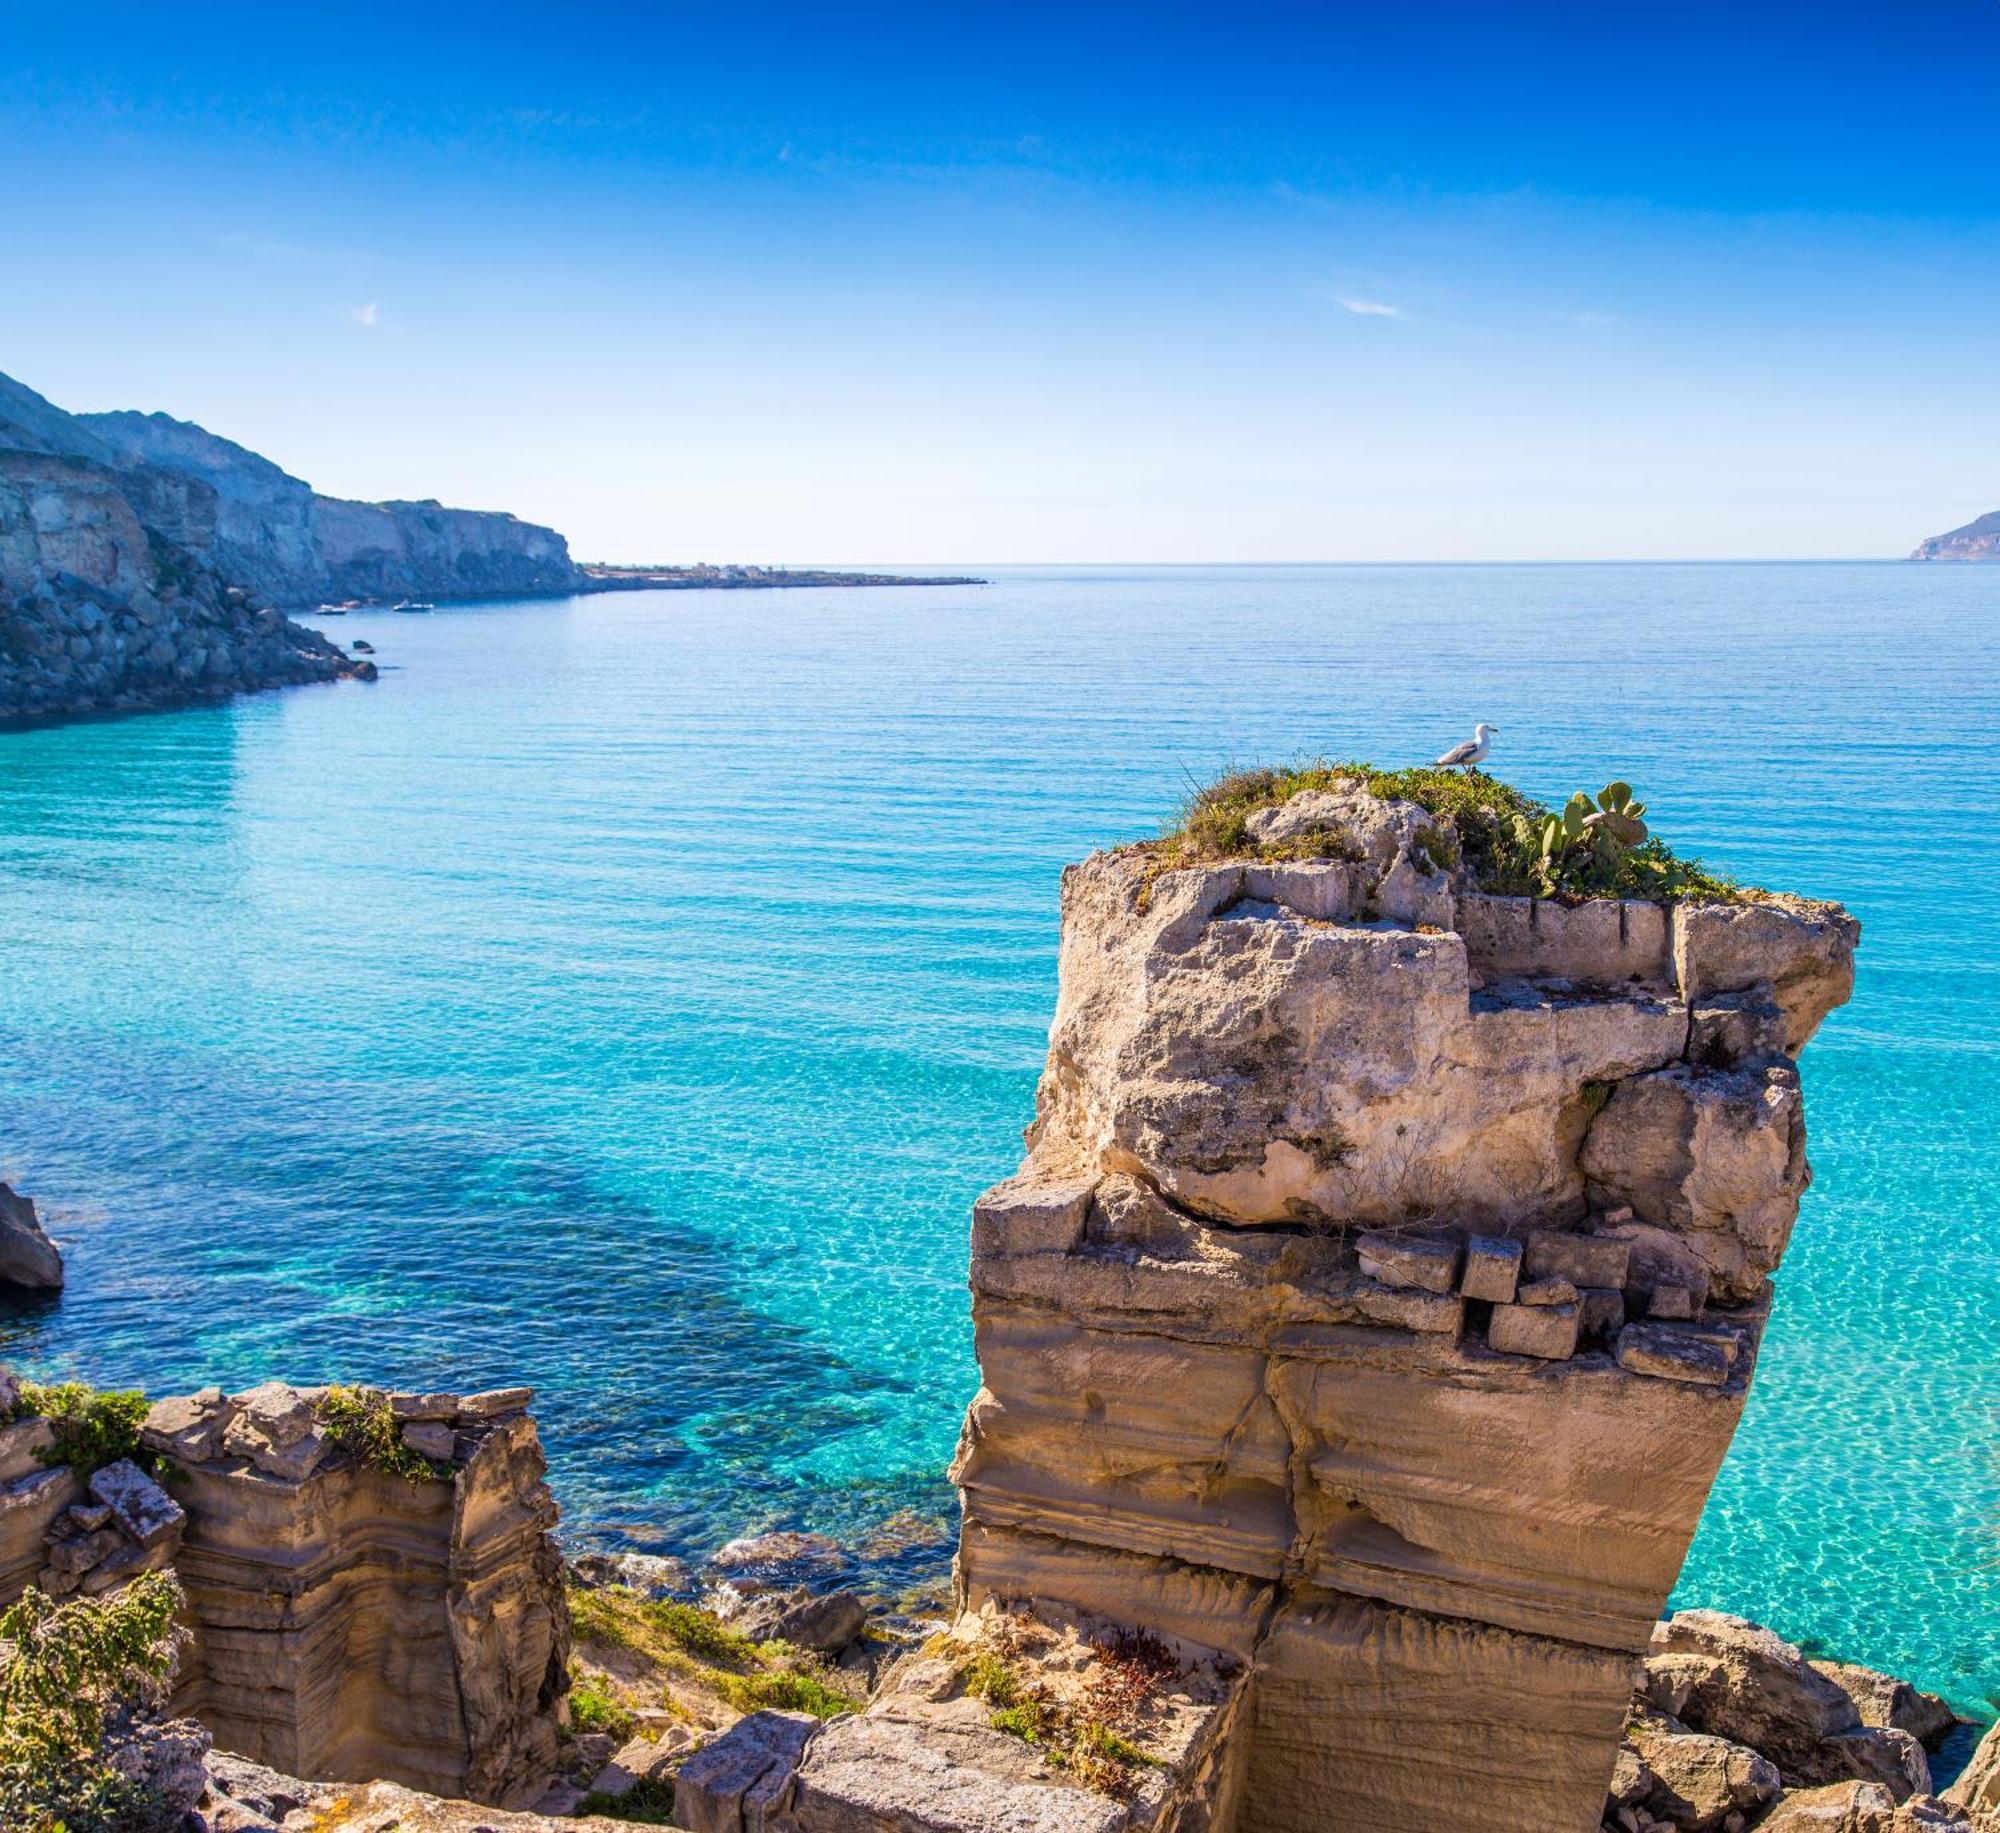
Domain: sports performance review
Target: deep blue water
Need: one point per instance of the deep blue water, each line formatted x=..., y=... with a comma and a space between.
x=629, y=995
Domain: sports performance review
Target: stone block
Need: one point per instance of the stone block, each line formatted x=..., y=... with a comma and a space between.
x=495, y=1403
x=144, y=1510
x=1492, y=1268
x=1675, y=1355
x=188, y=1427
x=1677, y=1302
x=424, y=1407
x=1431, y=1313
x=724, y=1787
x=1031, y=1215
x=1546, y=1292
x=1427, y=1263
x=1583, y=1260
x=431, y=1438
x=1547, y=1331
x=1603, y=1313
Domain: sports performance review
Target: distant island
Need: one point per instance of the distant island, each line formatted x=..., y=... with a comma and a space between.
x=595, y=577
x=1978, y=540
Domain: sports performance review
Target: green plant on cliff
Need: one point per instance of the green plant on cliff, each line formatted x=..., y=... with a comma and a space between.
x=70, y=1675
x=593, y=1707
x=1506, y=841
x=361, y=1422
x=93, y=1427
x=649, y=1802
x=683, y=1647
x=1083, y=1730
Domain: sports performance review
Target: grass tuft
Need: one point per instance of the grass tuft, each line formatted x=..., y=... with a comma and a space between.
x=1483, y=825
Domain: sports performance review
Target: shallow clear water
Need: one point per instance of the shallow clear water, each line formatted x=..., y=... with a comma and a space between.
x=629, y=995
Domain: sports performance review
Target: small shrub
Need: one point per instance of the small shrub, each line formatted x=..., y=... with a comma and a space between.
x=361, y=1422
x=69, y=1673
x=649, y=1802
x=700, y=1632
x=93, y=1427
x=787, y=1690
x=594, y=1707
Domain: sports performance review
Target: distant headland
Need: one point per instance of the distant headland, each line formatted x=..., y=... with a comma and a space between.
x=147, y=562
x=1977, y=540
x=597, y=577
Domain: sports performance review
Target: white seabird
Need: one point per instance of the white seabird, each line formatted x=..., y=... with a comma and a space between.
x=1474, y=750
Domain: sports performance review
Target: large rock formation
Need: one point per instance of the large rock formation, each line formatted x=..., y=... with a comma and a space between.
x=357, y=1610
x=274, y=533
x=1977, y=540
x=1380, y=1295
x=141, y=558
x=105, y=604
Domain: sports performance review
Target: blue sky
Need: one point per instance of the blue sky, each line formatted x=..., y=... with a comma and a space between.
x=1015, y=283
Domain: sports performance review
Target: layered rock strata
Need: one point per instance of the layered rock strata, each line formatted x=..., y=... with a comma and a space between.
x=1380, y=1295
x=347, y=1621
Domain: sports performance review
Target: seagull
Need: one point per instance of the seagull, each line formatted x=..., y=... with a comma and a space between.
x=1474, y=750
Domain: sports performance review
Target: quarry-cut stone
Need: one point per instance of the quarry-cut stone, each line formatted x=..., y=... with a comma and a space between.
x=1027, y=1215
x=276, y=1426
x=1672, y=1355
x=1891, y=1704
x=144, y=1510
x=1843, y=1807
x=1428, y=1263
x=1547, y=1330
x=1583, y=1260
x=1546, y=1292
x=1492, y=1268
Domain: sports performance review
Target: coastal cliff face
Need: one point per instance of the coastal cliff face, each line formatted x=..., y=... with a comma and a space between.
x=1379, y=1298
x=141, y=561
x=273, y=533
x=109, y=597
x=348, y=1619
x=1978, y=540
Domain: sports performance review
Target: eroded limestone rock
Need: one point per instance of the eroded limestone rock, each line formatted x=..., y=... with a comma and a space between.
x=1378, y=1300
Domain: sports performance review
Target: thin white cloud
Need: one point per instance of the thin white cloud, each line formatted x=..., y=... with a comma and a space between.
x=367, y=316
x=1371, y=308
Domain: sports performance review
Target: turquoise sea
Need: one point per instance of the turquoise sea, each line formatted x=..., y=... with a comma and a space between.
x=628, y=995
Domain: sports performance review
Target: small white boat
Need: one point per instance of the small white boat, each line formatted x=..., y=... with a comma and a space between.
x=411, y=604
x=333, y=610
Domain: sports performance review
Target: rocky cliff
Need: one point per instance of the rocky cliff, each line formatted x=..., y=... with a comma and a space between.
x=110, y=598
x=141, y=561
x=1381, y=1293
x=1979, y=540
x=269, y=531
x=371, y=1583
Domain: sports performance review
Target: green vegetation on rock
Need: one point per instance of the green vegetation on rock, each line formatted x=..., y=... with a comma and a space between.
x=93, y=1427
x=648, y=1802
x=361, y=1422
x=68, y=1672
x=1507, y=842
